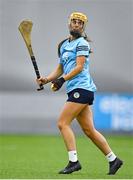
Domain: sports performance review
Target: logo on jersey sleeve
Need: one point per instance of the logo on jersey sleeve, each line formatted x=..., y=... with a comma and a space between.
x=65, y=55
x=76, y=95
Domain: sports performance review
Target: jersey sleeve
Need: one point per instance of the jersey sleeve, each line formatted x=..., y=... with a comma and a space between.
x=60, y=61
x=83, y=48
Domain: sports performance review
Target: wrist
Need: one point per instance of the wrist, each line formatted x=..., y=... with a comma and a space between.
x=47, y=80
x=64, y=78
x=44, y=80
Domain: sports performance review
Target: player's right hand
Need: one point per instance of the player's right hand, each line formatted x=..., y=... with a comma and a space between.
x=42, y=81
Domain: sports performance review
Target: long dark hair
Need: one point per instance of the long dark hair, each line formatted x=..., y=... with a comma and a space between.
x=60, y=44
x=84, y=36
x=87, y=38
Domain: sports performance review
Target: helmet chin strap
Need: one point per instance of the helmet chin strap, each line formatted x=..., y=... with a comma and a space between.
x=75, y=34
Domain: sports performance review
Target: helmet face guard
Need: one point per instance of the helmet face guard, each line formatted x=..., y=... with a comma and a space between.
x=80, y=16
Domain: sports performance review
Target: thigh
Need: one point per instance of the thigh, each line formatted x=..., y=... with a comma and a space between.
x=85, y=118
x=70, y=111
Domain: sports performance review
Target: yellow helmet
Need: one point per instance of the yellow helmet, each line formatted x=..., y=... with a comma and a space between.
x=78, y=15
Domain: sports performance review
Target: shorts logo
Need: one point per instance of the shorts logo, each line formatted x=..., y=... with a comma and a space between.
x=76, y=95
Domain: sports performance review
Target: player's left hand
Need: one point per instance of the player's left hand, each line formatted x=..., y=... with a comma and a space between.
x=57, y=84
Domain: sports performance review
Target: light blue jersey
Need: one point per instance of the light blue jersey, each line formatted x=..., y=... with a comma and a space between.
x=68, y=53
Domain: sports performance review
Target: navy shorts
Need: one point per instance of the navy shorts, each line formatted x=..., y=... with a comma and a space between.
x=82, y=96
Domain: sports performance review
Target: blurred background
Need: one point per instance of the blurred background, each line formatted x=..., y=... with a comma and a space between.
x=110, y=27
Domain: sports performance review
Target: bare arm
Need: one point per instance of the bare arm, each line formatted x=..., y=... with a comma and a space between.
x=54, y=75
x=79, y=67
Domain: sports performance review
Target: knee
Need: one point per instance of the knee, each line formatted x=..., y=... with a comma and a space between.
x=61, y=125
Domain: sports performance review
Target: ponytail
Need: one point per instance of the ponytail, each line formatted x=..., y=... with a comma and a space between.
x=86, y=37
